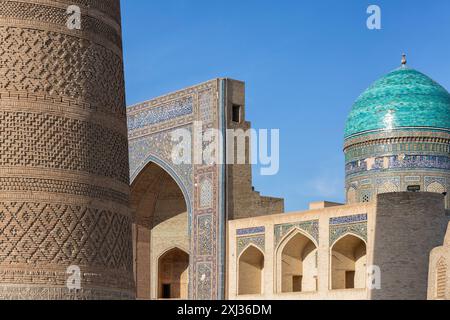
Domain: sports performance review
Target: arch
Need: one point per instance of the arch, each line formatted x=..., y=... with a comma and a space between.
x=250, y=271
x=387, y=187
x=351, y=195
x=441, y=279
x=173, y=274
x=161, y=224
x=348, y=263
x=297, y=263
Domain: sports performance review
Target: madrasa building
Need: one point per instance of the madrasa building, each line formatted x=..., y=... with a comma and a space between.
x=91, y=186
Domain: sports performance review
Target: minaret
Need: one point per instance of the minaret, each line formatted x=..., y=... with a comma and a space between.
x=65, y=225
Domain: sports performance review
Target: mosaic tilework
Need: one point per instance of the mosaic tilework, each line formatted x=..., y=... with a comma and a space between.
x=310, y=227
x=365, y=196
x=206, y=107
x=255, y=230
x=206, y=193
x=348, y=219
x=243, y=242
x=387, y=184
x=402, y=98
x=158, y=145
x=340, y=226
x=150, y=125
x=205, y=233
x=351, y=195
x=163, y=113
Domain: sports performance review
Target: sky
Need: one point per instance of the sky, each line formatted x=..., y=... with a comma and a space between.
x=304, y=62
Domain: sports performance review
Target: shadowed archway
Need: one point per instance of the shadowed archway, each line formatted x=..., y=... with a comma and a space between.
x=297, y=264
x=348, y=263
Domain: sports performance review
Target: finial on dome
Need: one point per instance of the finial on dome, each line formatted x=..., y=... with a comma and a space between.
x=404, y=60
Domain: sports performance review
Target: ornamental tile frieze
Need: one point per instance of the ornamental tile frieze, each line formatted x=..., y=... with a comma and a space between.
x=340, y=226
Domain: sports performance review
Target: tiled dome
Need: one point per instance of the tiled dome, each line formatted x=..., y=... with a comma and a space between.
x=404, y=98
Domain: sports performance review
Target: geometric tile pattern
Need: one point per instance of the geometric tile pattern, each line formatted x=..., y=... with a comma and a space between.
x=76, y=145
x=63, y=152
x=206, y=193
x=150, y=138
x=55, y=15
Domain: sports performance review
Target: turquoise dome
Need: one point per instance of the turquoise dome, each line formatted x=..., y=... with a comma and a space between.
x=404, y=98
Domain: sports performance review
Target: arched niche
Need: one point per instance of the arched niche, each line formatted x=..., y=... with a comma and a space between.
x=250, y=271
x=297, y=259
x=173, y=274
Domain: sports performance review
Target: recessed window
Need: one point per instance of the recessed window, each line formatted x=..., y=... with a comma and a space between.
x=236, y=117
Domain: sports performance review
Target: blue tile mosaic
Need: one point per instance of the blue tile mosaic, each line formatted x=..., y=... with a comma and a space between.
x=176, y=109
x=244, y=232
x=395, y=162
x=348, y=219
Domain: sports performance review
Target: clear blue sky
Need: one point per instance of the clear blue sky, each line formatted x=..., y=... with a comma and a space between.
x=304, y=61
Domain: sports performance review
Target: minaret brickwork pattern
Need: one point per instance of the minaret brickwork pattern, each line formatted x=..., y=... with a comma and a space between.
x=64, y=173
